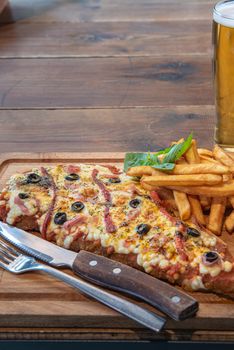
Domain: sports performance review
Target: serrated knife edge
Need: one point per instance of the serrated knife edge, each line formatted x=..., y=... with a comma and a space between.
x=27, y=240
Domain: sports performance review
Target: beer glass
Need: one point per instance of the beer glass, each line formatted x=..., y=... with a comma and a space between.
x=223, y=64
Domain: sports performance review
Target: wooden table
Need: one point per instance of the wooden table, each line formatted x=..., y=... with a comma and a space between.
x=103, y=75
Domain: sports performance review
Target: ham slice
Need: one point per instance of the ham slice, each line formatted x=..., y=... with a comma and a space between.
x=79, y=219
x=110, y=227
x=133, y=214
x=156, y=199
x=21, y=205
x=52, y=203
x=112, y=168
x=73, y=169
x=110, y=176
x=101, y=185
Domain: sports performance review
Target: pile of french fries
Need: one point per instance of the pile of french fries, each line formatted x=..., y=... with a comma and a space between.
x=201, y=186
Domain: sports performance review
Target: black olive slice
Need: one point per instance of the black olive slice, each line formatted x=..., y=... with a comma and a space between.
x=211, y=257
x=60, y=218
x=134, y=203
x=33, y=178
x=23, y=195
x=142, y=229
x=114, y=180
x=77, y=206
x=193, y=232
x=72, y=177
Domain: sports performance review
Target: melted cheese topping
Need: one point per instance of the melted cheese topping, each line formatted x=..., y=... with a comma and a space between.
x=155, y=250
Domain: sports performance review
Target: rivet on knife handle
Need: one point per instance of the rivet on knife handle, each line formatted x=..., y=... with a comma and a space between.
x=115, y=275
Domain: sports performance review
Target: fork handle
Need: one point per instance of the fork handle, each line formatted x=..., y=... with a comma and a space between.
x=133, y=311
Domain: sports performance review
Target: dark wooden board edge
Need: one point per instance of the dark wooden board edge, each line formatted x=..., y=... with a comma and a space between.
x=111, y=334
x=6, y=158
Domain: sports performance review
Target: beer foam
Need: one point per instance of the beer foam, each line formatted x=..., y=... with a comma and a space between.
x=224, y=13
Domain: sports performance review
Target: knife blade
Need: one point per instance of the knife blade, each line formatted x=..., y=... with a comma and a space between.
x=105, y=272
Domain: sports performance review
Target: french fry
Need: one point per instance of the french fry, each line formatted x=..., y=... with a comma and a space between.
x=142, y=170
x=231, y=199
x=180, y=169
x=222, y=156
x=181, y=160
x=227, y=177
x=229, y=222
x=222, y=190
x=148, y=187
x=205, y=202
x=183, y=205
x=192, y=155
x=205, y=152
x=217, y=210
x=196, y=209
x=231, y=168
x=231, y=155
x=176, y=142
x=229, y=204
x=183, y=180
x=208, y=168
x=205, y=160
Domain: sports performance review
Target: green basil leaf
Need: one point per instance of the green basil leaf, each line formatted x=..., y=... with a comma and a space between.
x=134, y=159
x=172, y=153
x=178, y=150
x=164, y=151
x=164, y=166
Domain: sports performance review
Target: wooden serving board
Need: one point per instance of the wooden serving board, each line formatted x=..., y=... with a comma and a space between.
x=36, y=306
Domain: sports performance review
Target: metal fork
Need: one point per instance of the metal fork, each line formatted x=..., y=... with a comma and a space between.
x=13, y=261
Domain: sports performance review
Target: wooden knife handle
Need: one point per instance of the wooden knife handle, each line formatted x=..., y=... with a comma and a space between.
x=120, y=277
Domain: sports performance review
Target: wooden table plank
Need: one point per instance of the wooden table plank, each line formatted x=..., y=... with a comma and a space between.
x=114, y=334
x=107, y=10
x=45, y=39
x=52, y=313
x=97, y=129
x=83, y=334
x=105, y=82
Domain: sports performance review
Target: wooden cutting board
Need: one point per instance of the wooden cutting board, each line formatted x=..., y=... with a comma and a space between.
x=36, y=306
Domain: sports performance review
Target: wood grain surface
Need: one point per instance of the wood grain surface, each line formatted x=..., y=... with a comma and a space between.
x=105, y=82
x=107, y=10
x=101, y=75
x=84, y=65
x=126, y=129
x=105, y=39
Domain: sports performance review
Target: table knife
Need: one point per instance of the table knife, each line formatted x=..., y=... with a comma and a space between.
x=105, y=272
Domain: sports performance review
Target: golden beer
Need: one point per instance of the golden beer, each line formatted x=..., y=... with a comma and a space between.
x=223, y=41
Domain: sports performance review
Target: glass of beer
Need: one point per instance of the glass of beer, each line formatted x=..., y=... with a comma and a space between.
x=223, y=64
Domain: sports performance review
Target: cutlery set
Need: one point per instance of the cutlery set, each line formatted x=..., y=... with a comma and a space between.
x=98, y=270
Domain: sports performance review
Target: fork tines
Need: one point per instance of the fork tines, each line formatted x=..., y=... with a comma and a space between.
x=7, y=253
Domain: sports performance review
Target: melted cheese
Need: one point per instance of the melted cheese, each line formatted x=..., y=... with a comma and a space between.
x=197, y=284
x=14, y=211
x=155, y=249
x=227, y=266
x=213, y=270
